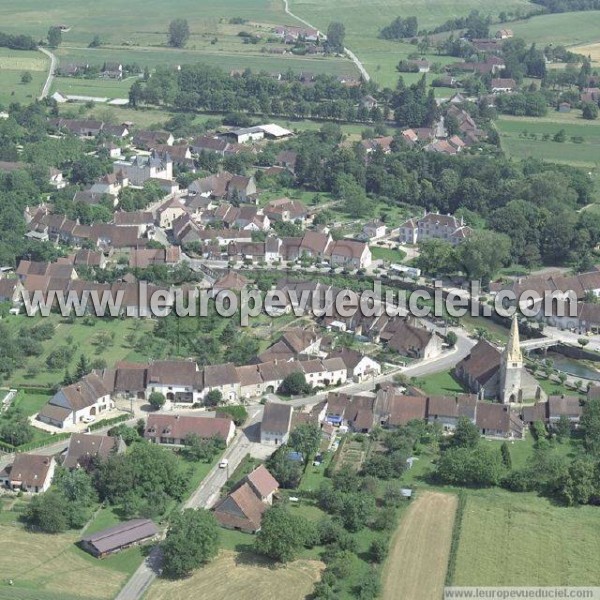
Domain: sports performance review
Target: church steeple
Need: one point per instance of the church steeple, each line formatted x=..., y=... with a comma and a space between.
x=511, y=367
x=512, y=351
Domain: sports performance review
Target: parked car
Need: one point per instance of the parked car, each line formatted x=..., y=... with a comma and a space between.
x=223, y=464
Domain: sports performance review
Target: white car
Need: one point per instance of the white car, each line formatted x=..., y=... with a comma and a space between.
x=223, y=464
x=88, y=419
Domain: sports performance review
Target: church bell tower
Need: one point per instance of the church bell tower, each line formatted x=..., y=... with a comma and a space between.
x=511, y=367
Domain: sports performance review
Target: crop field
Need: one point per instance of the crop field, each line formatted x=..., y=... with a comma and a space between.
x=13, y=64
x=522, y=137
x=51, y=566
x=526, y=541
x=242, y=576
x=416, y=566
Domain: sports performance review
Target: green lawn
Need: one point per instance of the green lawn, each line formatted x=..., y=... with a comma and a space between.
x=30, y=403
x=388, y=254
x=440, y=384
x=522, y=539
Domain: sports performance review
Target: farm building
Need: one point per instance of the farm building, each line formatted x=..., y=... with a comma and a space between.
x=117, y=538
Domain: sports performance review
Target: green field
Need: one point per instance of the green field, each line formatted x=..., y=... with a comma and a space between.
x=567, y=29
x=13, y=63
x=526, y=541
x=223, y=56
x=363, y=25
x=99, y=88
x=139, y=22
x=136, y=32
x=517, y=138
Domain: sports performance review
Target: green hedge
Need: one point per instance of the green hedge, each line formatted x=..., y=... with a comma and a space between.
x=51, y=439
x=456, y=530
x=109, y=422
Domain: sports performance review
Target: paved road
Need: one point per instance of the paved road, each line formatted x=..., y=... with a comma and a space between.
x=204, y=496
x=51, y=71
x=348, y=52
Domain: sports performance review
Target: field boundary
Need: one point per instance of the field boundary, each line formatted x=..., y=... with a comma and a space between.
x=456, y=531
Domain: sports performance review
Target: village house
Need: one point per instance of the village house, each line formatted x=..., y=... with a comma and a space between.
x=85, y=448
x=383, y=144
x=501, y=85
x=129, y=380
x=143, y=220
x=359, y=367
x=172, y=430
x=287, y=159
x=394, y=409
x=30, y=473
x=74, y=403
x=211, y=144
x=498, y=420
x=177, y=380
x=374, y=230
x=410, y=340
x=286, y=210
x=111, y=184
x=173, y=208
x=291, y=34
x=224, y=378
x=352, y=411
x=243, y=508
x=276, y=423
x=434, y=226
x=147, y=140
x=142, y=167
x=84, y=128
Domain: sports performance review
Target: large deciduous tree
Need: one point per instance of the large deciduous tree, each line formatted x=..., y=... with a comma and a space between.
x=179, y=33
x=192, y=540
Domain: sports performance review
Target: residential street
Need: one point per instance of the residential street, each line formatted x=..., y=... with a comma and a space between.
x=204, y=496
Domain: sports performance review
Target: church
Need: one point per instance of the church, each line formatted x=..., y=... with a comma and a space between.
x=498, y=375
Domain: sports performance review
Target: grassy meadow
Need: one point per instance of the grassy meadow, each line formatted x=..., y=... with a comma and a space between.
x=523, y=137
x=13, y=63
x=526, y=541
x=136, y=32
x=568, y=29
